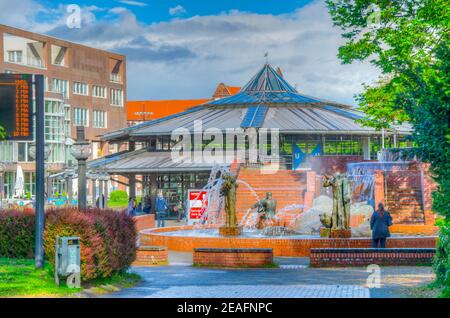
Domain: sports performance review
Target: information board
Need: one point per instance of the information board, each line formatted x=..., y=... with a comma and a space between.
x=16, y=106
x=198, y=202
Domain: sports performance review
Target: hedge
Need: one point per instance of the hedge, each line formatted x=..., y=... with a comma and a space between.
x=107, y=238
x=16, y=234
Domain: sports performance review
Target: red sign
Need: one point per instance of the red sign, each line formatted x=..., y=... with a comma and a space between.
x=198, y=202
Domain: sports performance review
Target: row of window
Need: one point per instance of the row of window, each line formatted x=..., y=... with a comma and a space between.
x=62, y=87
x=81, y=118
x=79, y=88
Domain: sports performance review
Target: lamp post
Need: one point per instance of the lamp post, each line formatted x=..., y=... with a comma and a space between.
x=104, y=178
x=2, y=169
x=68, y=175
x=81, y=150
x=93, y=175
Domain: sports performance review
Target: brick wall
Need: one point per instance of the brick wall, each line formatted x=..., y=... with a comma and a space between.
x=364, y=257
x=143, y=222
x=294, y=247
x=151, y=256
x=217, y=257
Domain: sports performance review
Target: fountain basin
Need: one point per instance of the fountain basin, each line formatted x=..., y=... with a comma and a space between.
x=187, y=238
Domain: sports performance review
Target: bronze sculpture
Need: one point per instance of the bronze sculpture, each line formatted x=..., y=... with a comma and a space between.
x=228, y=190
x=340, y=217
x=266, y=209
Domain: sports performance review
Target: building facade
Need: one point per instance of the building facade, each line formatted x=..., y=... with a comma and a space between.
x=84, y=86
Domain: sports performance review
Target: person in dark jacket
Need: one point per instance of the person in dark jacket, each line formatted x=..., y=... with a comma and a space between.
x=379, y=224
x=161, y=209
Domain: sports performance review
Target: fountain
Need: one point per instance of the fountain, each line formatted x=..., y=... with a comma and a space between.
x=288, y=233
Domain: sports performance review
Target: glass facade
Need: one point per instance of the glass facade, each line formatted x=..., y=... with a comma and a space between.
x=18, y=152
x=175, y=186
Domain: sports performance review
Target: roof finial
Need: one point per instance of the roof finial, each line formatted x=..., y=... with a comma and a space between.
x=266, y=55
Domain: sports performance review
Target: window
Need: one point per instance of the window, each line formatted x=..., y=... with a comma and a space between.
x=99, y=91
x=99, y=119
x=116, y=97
x=15, y=56
x=6, y=151
x=81, y=117
x=54, y=121
x=80, y=88
x=58, y=55
x=61, y=86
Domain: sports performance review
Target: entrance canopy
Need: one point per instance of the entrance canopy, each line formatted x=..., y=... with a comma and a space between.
x=143, y=161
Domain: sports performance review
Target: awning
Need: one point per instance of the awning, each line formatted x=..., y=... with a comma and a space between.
x=143, y=161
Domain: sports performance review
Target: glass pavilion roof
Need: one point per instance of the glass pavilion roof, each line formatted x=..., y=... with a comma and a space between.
x=267, y=87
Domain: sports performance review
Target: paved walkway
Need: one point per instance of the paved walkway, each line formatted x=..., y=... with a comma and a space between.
x=293, y=279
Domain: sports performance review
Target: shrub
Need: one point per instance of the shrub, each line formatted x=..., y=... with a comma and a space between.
x=107, y=238
x=118, y=196
x=16, y=234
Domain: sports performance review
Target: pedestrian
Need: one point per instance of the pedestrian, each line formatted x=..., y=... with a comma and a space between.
x=147, y=204
x=379, y=224
x=180, y=210
x=161, y=209
x=139, y=208
x=131, y=206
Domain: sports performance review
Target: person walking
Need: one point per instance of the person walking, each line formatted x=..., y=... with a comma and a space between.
x=161, y=209
x=180, y=210
x=131, y=206
x=379, y=224
x=147, y=204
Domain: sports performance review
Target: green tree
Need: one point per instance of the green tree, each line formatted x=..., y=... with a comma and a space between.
x=409, y=42
x=2, y=133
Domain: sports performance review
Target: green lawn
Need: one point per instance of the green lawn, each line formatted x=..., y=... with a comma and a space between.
x=19, y=278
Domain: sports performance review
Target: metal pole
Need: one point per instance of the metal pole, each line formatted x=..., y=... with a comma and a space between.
x=40, y=171
x=105, y=191
x=94, y=192
x=69, y=190
x=82, y=184
x=1, y=189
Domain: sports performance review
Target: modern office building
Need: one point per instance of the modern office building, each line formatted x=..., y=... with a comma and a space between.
x=84, y=86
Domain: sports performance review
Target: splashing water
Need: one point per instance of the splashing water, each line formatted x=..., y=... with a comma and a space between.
x=212, y=211
x=248, y=186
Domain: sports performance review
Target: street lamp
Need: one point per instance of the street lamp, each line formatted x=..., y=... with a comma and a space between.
x=81, y=151
x=2, y=169
x=104, y=178
x=32, y=151
x=68, y=175
x=93, y=175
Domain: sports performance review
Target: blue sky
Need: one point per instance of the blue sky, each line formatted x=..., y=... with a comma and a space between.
x=180, y=49
x=150, y=11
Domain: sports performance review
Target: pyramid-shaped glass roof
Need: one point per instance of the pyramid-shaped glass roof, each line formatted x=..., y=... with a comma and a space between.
x=268, y=80
x=267, y=87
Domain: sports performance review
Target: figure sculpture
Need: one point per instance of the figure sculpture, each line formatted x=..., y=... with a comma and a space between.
x=266, y=209
x=340, y=217
x=228, y=190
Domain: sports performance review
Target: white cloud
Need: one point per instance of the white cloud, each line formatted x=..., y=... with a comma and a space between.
x=133, y=3
x=19, y=13
x=178, y=10
x=188, y=57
